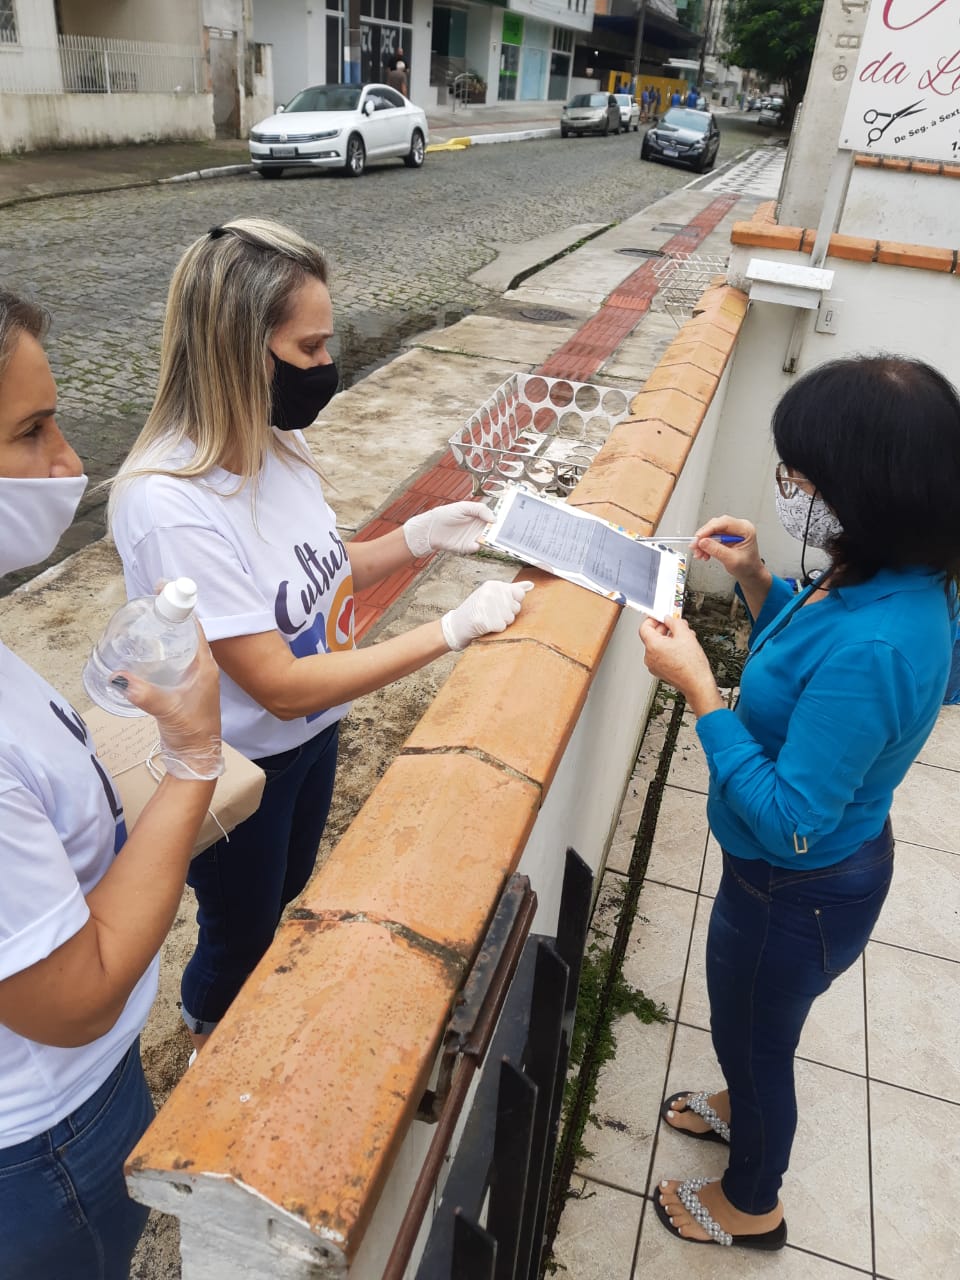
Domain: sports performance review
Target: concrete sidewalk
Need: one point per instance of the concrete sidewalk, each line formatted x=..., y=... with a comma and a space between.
x=42, y=174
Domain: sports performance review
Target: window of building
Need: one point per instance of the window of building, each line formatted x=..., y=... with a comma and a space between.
x=8, y=22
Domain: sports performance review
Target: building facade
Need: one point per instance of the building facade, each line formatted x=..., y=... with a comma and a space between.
x=92, y=72
x=482, y=52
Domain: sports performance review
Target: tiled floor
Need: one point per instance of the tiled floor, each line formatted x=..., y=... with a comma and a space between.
x=874, y=1183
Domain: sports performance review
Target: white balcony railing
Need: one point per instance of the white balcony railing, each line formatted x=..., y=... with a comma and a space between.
x=96, y=64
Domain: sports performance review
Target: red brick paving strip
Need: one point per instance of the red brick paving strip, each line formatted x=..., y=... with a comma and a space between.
x=578, y=359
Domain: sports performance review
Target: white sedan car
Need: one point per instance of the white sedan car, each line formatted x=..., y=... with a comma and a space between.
x=629, y=111
x=339, y=126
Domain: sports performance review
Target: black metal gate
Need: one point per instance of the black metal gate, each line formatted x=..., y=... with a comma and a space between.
x=514, y=1024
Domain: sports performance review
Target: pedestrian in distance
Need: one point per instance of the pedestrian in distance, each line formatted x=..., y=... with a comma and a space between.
x=645, y=106
x=398, y=74
x=85, y=904
x=675, y=98
x=221, y=479
x=693, y=97
x=840, y=691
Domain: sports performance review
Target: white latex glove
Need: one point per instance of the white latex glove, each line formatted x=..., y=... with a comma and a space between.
x=492, y=607
x=455, y=527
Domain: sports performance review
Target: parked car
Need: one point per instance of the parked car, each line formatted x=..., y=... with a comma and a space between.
x=340, y=126
x=629, y=111
x=590, y=113
x=771, y=113
x=683, y=136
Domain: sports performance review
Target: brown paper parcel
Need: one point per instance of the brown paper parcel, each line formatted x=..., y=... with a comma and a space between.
x=123, y=746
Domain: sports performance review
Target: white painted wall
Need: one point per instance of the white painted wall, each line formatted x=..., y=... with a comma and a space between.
x=169, y=22
x=914, y=208
x=484, y=25
x=34, y=60
x=30, y=122
x=902, y=310
x=283, y=24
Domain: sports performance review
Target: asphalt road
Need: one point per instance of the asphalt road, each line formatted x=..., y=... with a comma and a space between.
x=401, y=245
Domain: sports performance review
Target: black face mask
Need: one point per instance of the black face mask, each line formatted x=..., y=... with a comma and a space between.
x=298, y=395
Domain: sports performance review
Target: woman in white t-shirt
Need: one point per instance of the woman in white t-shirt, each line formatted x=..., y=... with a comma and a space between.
x=221, y=485
x=83, y=906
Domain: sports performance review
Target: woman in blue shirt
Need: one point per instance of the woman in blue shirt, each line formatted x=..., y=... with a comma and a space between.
x=840, y=691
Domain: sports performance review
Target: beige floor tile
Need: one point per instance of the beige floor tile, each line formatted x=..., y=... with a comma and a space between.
x=916, y=1184
x=598, y=1233
x=922, y=910
x=834, y=1033
x=925, y=808
x=621, y=847
x=657, y=954
x=829, y=1161
x=677, y=855
x=688, y=768
x=943, y=746
x=661, y=1258
x=629, y=1091
x=913, y=1010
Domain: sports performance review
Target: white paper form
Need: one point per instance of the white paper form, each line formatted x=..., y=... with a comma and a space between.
x=589, y=551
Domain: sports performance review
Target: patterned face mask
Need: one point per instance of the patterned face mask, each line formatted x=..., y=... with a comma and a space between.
x=808, y=519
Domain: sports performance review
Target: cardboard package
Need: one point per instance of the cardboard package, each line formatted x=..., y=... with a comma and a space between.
x=123, y=746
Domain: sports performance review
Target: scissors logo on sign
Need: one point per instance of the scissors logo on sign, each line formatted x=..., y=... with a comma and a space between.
x=873, y=117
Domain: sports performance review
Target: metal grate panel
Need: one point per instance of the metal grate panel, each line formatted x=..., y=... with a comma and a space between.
x=683, y=278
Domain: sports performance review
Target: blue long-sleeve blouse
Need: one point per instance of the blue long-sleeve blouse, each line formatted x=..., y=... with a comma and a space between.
x=836, y=701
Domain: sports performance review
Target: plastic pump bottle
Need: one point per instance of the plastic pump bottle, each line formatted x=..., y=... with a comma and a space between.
x=153, y=637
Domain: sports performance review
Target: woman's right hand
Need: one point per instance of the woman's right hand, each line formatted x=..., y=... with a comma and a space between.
x=187, y=716
x=492, y=607
x=742, y=559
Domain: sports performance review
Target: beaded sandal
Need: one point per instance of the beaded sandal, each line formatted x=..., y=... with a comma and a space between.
x=719, y=1130
x=687, y=1194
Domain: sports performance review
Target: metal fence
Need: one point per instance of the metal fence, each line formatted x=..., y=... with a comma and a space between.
x=96, y=64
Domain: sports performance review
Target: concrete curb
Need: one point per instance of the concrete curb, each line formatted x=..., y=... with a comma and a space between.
x=224, y=171
x=523, y=135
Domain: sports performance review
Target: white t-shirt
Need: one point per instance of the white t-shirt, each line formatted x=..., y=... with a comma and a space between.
x=265, y=558
x=61, y=825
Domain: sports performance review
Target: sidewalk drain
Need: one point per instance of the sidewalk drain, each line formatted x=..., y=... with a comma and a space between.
x=643, y=253
x=541, y=315
x=669, y=226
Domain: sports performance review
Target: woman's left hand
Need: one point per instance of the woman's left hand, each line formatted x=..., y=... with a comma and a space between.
x=675, y=656
x=456, y=527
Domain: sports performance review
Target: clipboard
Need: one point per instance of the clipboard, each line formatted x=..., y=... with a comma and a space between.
x=582, y=548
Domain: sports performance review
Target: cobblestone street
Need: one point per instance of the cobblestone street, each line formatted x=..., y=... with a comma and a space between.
x=401, y=244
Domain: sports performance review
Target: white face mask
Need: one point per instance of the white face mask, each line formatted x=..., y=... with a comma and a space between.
x=34, y=515
x=808, y=519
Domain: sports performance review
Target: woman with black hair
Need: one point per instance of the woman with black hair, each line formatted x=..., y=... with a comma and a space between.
x=841, y=690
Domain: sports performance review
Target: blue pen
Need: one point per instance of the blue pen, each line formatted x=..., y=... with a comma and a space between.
x=728, y=539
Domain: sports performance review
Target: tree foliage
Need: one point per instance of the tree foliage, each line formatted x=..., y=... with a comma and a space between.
x=775, y=37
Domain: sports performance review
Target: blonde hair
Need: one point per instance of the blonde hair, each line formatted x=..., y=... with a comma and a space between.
x=229, y=292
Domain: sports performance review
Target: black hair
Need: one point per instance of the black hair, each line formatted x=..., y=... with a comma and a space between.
x=879, y=437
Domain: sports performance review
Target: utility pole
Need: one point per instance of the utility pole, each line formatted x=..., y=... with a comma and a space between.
x=703, y=44
x=638, y=44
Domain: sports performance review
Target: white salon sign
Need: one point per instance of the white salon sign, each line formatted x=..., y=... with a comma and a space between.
x=905, y=96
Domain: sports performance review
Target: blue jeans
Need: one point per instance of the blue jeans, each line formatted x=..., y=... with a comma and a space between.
x=777, y=940
x=244, y=883
x=64, y=1209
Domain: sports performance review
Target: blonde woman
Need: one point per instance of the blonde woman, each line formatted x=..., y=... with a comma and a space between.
x=221, y=485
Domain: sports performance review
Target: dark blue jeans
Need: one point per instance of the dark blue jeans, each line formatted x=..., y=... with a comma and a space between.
x=64, y=1209
x=777, y=940
x=244, y=883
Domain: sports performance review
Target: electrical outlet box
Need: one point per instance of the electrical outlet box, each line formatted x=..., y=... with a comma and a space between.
x=828, y=315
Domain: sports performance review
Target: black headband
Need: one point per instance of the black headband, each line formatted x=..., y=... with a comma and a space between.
x=217, y=232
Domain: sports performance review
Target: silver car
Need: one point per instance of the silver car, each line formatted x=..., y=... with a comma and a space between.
x=590, y=113
x=340, y=126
